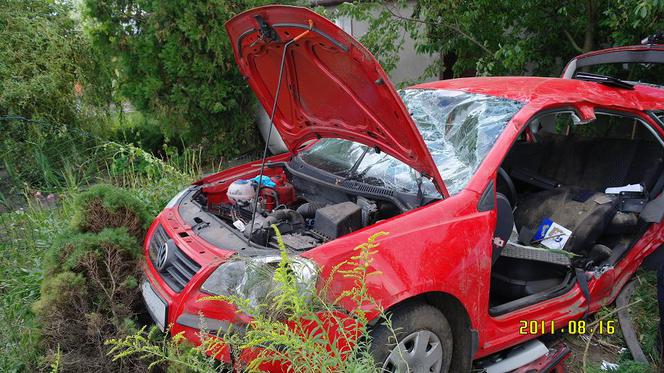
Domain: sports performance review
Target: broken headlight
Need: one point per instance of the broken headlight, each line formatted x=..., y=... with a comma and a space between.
x=253, y=278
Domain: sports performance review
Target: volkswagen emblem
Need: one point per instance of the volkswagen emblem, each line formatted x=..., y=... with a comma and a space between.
x=162, y=256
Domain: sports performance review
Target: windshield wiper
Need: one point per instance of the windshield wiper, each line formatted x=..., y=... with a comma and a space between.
x=603, y=79
x=352, y=172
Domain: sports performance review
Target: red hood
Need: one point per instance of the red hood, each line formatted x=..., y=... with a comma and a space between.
x=332, y=86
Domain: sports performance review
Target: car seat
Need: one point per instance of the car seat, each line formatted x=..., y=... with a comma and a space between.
x=574, y=208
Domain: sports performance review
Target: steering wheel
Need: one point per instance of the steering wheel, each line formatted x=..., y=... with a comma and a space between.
x=510, y=185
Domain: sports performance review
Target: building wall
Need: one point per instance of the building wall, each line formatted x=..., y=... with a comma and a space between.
x=411, y=65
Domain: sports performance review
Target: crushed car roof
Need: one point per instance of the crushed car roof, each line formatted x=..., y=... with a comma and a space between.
x=528, y=89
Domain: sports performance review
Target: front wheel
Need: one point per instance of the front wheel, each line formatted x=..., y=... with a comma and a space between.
x=424, y=341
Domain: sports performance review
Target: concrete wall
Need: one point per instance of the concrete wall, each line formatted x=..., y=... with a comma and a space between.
x=411, y=65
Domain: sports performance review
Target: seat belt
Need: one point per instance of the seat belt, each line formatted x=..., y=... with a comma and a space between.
x=657, y=188
x=582, y=280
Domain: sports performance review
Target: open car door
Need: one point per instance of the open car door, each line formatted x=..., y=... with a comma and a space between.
x=621, y=63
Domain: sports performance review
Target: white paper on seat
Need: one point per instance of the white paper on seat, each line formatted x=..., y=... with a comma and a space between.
x=638, y=188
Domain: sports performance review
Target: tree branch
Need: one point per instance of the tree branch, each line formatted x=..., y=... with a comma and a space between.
x=571, y=40
x=449, y=26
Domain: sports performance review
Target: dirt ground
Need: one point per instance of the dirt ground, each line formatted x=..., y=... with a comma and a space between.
x=599, y=349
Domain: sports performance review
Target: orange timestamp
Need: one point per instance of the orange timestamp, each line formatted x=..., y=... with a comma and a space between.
x=538, y=327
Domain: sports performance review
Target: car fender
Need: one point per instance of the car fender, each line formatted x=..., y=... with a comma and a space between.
x=444, y=247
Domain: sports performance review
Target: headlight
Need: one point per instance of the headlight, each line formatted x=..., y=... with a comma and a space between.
x=175, y=199
x=253, y=278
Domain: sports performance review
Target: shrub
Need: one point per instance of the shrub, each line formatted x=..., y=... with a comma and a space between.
x=89, y=294
x=46, y=156
x=90, y=288
x=45, y=54
x=175, y=63
x=104, y=206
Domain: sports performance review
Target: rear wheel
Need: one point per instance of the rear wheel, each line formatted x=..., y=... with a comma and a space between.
x=423, y=341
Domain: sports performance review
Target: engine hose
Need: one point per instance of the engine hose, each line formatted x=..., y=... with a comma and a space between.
x=285, y=214
x=308, y=209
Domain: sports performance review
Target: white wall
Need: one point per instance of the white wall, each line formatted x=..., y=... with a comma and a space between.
x=411, y=65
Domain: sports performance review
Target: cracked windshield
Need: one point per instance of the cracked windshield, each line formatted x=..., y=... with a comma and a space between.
x=458, y=128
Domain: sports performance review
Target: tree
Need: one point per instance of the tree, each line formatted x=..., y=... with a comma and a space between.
x=174, y=60
x=45, y=56
x=499, y=37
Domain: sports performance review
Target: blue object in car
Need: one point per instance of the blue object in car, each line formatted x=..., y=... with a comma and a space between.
x=266, y=181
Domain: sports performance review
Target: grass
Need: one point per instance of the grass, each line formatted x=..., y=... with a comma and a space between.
x=25, y=233
x=612, y=348
x=23, y=242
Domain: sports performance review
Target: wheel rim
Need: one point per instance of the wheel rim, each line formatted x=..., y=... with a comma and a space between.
x=420, y=351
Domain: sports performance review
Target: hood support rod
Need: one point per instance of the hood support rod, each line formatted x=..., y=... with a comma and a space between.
x=269, y=132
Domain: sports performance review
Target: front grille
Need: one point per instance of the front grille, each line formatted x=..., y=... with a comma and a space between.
x=179, y=270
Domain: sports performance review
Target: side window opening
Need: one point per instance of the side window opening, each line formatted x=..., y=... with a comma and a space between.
x=611, y=151
x=605, y=126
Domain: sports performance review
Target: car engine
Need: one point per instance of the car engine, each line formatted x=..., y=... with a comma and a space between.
x=303, y=219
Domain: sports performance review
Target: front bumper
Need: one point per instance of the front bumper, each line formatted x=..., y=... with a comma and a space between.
x=186, y=312
x=171, y=290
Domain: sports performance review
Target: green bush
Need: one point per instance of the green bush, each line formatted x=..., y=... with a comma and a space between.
x=139, y=129
x=89, y=294
x=105, y=206
x=89, y=291
x=44, y=54
x=47, y=156
x=175, y=63
x=72, y=251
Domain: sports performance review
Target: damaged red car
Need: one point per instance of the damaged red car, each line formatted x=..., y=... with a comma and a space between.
x=516, y=206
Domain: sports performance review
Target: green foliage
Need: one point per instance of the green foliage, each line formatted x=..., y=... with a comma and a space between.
x=138, y=129
x=89, y=293
x=24, y=237
x=46, y=156
x=625, y=367
x=105, y=206
x=44, y=54
x=160, y=349
x=73, y=251
x=56, y=158
x=386, y=33
x=505, y=37
x=60, y=291
x=174, y=60
x=647, y=326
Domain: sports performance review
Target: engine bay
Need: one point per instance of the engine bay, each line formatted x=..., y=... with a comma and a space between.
x=307, y=212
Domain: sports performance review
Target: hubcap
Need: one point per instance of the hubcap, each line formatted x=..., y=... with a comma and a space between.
x=420, y=351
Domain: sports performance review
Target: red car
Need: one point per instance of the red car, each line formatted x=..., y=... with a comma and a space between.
x=515, y=206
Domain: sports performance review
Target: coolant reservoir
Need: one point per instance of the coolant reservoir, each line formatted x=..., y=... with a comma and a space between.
x=241, y=192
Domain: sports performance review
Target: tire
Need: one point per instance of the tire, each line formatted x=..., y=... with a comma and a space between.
x=411, y=323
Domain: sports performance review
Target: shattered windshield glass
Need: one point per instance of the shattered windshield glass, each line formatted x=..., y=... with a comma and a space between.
x=458, y=128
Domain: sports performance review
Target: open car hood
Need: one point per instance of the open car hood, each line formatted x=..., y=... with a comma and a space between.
x=332, y=86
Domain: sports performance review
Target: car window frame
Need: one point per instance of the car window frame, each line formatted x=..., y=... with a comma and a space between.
x=578, y=110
